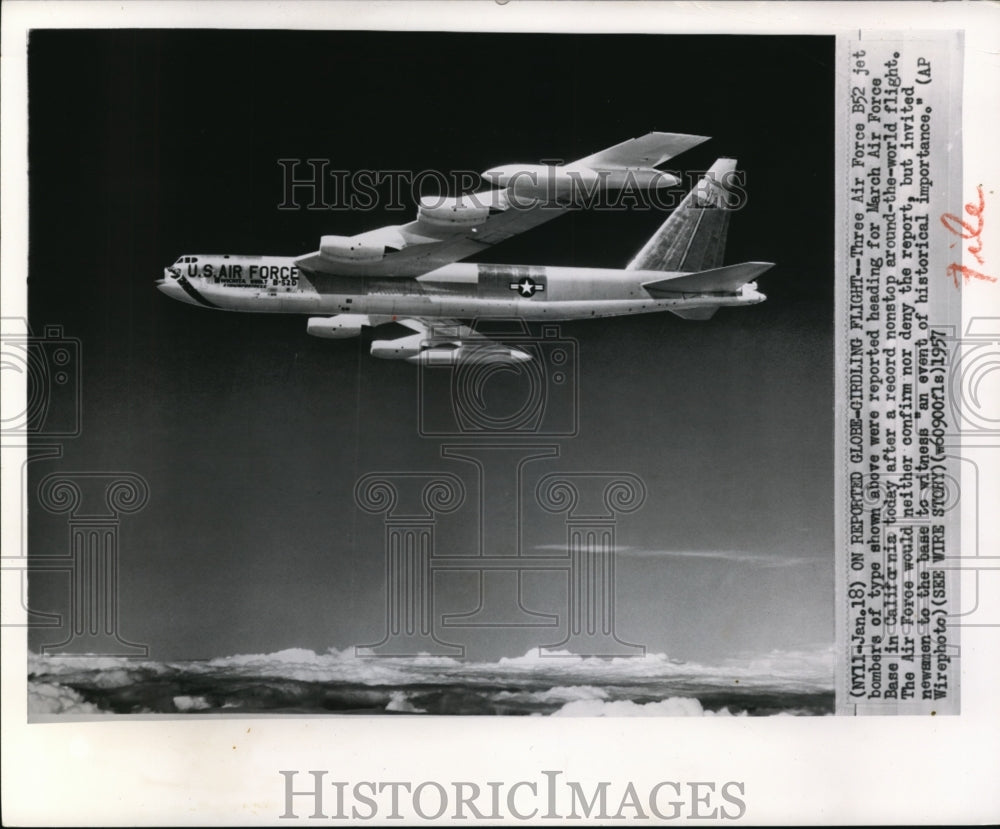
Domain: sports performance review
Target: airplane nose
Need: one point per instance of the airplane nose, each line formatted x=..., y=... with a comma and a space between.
x=170, y=288
x=166, y=282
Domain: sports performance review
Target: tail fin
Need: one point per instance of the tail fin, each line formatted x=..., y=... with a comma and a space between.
x=693, y=238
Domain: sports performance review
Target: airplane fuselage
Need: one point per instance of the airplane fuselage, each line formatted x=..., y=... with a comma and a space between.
x=275, y=284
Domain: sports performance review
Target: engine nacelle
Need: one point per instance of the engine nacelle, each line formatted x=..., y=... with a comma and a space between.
x=402, y=348
x=437, y=356
x=546, y=182
x=339, y=327
x=351, y=249
x=452, y=211
x=463, y=355
x=574, y=183
x=416, y=349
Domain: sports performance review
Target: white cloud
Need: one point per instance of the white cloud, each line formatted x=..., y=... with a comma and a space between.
x=52, y=698
x=670, y=707
x=186, y=703
x=582, y=686
x=560, y=693
x=400, y=702
x=799, y=668
x=742, y=557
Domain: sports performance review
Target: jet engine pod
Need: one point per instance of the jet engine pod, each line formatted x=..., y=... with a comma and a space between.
x=546, y=182
x=452, y=211
x=350, y=249
x=453, y=355
x=339, y=327
x=401, y=348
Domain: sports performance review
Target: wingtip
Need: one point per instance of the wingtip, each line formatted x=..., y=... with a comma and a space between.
x=696, y=139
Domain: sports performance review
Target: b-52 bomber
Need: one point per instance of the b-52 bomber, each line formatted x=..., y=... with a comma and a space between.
x=412, y=274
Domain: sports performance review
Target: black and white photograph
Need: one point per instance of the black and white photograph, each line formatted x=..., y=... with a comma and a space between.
x=498, y=412
x=591, y=473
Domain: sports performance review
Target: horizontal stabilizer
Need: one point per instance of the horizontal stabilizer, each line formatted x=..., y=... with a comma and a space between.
x=728, y=279
x=649, y=150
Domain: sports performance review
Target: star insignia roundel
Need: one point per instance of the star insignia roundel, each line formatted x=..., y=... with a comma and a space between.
x=526, y=286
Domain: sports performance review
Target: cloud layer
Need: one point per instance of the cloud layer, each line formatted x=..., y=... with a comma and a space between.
x=546, y=682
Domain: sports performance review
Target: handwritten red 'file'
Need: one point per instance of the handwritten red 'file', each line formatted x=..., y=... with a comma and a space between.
x=968, y=230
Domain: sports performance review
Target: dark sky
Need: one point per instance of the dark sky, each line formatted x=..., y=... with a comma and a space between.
x=145, y=145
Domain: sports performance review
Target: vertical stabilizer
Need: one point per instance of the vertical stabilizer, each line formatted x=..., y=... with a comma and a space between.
x=693, y=238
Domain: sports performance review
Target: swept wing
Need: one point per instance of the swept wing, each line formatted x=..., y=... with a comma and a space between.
x=448, y=229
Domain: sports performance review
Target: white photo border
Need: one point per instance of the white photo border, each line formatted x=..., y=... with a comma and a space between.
x=832, y=770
